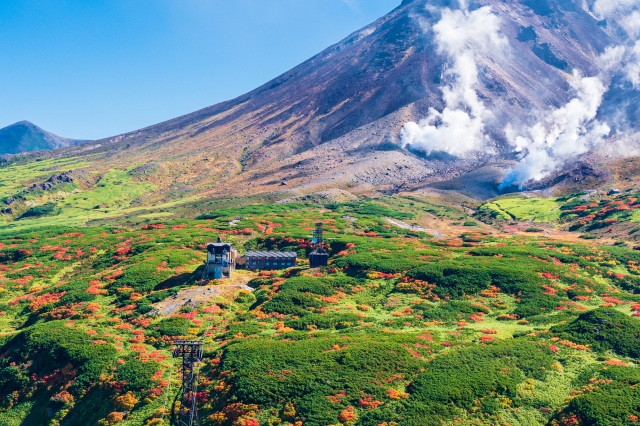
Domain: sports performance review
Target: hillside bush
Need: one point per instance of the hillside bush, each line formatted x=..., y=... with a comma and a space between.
x=324, y=321
x=322, y=287
x=137, y=375
x=12, y=379
x=453, y=279
x=462, y=376
x=454, y=310
x=48, y=209
x=291, y=303
x=52, y=345
x=369, y=209
x=142, y=277
x=174, y=326
x=380, y=262
x=604, y=329
x=267, y=372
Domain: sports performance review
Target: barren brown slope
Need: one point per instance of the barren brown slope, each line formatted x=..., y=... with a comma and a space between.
x=334, y=120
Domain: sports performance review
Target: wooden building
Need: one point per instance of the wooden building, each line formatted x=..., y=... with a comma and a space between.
x=270, y=259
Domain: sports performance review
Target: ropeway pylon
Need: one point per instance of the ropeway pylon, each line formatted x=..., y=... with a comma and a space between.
x=191, y=353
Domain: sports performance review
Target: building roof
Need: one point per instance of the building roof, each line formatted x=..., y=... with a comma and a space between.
x=272, y=254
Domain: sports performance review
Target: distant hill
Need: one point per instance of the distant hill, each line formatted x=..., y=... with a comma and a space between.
x=24, y=136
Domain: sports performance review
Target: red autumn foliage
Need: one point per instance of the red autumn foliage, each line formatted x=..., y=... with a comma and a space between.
x=45, y=299
x=369, y=403
x=153, y=226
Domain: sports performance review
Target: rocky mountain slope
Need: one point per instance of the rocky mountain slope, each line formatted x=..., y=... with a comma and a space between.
x=439, y=93
x=24, y=136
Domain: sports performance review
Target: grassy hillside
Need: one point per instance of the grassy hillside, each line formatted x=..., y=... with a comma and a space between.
x=474, y=327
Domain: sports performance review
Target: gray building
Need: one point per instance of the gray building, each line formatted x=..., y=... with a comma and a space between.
x=270, y=259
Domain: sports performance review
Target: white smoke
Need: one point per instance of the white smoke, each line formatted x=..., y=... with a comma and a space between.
x=572, y=130
x=460, y=127
x=605, y=8
x=632, y=66
x=561, y=135
x=611, y=59
x=631, y=24
x=625, y=57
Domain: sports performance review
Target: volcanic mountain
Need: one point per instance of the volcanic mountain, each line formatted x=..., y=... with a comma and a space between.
x=524, y=88
x=24, y=136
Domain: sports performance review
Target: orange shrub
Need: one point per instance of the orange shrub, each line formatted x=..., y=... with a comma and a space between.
x=397, y=395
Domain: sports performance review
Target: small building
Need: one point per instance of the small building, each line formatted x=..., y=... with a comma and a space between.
x=221, y=260
x=270, y=259
x=318, y=258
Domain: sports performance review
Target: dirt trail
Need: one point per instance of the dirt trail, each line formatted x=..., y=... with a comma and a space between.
x=201, y=294
x=404, y=225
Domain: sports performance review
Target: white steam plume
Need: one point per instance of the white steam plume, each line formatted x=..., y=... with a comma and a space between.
x=459, y=128
x=625, y=58
x=604, y=8
x=573, y=129
x=632, y=65
x=562, y=135
x=631, y=24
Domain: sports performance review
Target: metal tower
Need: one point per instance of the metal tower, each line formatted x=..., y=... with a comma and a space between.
x=191, y=353
x=318, y=234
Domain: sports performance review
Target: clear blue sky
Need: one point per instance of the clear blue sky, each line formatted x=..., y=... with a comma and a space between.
x=97, y=68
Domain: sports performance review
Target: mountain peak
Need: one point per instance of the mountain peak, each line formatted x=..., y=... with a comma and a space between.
x=24, y=136
x=432, y=91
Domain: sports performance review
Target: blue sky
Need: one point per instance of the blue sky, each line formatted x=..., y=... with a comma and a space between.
x=96, y=68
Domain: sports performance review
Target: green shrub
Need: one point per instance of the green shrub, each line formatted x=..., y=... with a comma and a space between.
x=48, y=209
x=611, y=402
x=174, y=326
x=137, y=375
x=292, y=303
x=369, y=209
x=380, y=262
x=245, y=298
x=142, y=277
x=589, y=237
x=323, y=321
x=12, y=379
x=309, y=285
x=453, y=279
x=158, y=296
x=306, y=372
x=252, y=209
x=604, y=329
x=258, y=282
x=246, y=328
x=53, y=345
x=75, y=292
x=462, y=376
x=452, y=311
